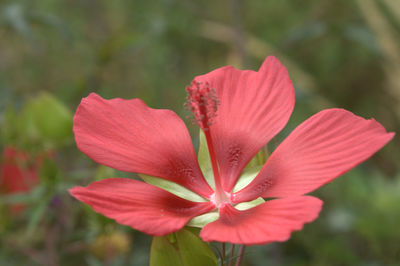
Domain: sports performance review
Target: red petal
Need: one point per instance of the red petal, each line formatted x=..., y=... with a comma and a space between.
x=271, y=221
x=129, y=136
x=322, y=148
x=139, y=205
x=254, y=107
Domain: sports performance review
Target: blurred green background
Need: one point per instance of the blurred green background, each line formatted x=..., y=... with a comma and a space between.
x=339, y=53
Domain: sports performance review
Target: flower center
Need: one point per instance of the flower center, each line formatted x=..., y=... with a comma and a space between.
x=221, y=198
x=203, y=103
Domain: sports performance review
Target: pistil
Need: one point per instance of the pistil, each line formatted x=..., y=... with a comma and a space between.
x=203, y=103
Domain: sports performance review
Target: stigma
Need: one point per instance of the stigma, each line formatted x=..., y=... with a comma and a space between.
x=203, y=103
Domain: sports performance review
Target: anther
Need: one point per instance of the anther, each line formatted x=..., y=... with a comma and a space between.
x=202, y=102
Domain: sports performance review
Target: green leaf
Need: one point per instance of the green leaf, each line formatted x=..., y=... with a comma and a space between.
x=246, y=177
x=186, y=249
x=15, y=198
x=258, y=160
x=194, y=251
x=163, y=252
x=204, y=160
x=49, y=117
x=249, y=204
x=32, y=196
x=36, y=216
x=201, y=220
x=104, y=172
x=49, y=172
x=174, y=188
x=26, y=127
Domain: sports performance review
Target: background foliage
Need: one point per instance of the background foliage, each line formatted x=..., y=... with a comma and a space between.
x=341, y=53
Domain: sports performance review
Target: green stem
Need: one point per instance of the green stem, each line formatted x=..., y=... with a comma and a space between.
x=241, y=253
x=223, y=254
x=232, y=255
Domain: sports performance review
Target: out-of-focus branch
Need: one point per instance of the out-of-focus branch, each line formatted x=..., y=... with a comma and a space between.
x=394, y=7
x=239, y=41
x=259, y=49
x=389, y=44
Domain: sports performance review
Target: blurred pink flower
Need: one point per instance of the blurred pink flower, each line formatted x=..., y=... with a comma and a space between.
x=18, y=173
x=239, y=112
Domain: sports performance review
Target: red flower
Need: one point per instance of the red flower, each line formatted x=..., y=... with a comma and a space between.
x=18, y=173
x=239, y=112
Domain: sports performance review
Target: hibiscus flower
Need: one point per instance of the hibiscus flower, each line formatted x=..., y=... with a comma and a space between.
x=239, y=112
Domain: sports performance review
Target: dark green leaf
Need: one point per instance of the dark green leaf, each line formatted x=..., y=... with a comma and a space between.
x=163, y=252
x=183, y=248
